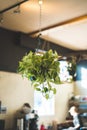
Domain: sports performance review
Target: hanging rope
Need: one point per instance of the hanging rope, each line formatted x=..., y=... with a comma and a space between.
x=40, y=23
x=40, y=17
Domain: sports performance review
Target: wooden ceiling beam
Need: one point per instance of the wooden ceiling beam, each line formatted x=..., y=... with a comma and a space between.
x=69, y=21
x=12, y=6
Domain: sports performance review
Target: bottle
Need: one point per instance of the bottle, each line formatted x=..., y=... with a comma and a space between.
x=42, y=127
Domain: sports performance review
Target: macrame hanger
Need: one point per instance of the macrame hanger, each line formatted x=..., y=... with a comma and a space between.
x=46, y=45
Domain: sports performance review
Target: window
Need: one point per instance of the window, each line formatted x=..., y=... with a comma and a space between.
x=44, y=107
x=64, y=74
x=84, y=73
x=81, y=70
x=84, y=77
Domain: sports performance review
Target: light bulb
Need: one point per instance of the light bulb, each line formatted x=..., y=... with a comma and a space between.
x=40, y=2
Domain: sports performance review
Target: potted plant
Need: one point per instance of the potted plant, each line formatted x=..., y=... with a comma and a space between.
x=42, y=70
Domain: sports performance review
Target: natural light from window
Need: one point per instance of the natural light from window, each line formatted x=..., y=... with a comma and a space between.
x=43, y=106
x=84, y=77
x=64, y=74
x=84, y=73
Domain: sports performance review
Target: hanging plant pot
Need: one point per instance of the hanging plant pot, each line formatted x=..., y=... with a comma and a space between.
x=42, y=70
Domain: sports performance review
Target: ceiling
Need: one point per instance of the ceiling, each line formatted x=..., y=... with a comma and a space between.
x=63, y=22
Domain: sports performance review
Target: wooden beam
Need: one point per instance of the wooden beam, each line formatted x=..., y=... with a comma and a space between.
x=12, y=6
x=69, y=21
x=76, y=53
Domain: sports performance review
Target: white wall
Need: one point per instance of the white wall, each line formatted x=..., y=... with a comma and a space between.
x=15, y=91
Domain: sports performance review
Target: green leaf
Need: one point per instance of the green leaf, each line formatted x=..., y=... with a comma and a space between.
x=54, y=90
x=47, y=96
x=38, y=89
